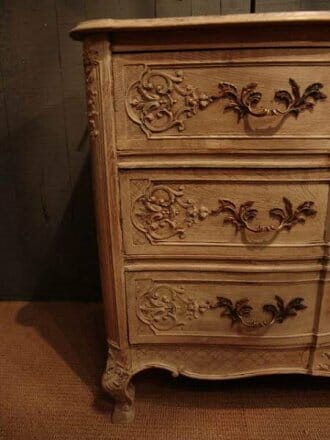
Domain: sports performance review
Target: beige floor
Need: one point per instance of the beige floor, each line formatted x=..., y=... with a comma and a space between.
x=51, y=359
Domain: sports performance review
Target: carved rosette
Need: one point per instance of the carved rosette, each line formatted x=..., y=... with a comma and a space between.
x=163, y=212
x=159, y=101
x=91, y=62
x=164, y=307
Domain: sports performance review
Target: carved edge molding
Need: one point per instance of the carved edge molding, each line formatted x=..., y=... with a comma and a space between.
x=91, y=62
x=159, y=101
x=163, y=212
x=164, y=307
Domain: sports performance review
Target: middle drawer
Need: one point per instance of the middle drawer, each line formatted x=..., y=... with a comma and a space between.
x=225, y=213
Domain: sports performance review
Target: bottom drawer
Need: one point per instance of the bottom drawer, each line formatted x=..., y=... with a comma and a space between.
x=257, y=306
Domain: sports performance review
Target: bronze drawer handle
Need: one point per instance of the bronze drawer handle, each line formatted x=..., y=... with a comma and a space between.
x=288, y=217
x=244, y=103
x=241, y=311
x=164, y=307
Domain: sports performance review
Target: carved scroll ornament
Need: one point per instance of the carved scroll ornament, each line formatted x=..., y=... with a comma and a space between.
x=159, y=101
x=91, y=62
x=163, y=212
x=164, y=307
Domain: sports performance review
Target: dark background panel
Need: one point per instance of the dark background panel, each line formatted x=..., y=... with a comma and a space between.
x=47, y=229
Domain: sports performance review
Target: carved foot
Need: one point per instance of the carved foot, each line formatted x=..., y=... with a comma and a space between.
x=116, y=382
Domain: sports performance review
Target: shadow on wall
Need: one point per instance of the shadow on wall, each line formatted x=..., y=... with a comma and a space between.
x=70, y=269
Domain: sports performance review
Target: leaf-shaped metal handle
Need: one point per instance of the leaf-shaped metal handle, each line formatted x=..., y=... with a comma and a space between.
x=245, y=213
x=241, y=310
x=245, y=103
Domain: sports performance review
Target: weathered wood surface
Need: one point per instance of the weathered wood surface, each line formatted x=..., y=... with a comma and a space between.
x=47, y=234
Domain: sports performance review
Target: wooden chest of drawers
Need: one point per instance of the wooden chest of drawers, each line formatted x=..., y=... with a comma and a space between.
x=210, y=140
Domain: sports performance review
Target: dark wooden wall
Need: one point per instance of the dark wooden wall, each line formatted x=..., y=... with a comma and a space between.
x=47, y=232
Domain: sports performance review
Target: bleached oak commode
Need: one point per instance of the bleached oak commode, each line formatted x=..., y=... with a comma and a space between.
x=210, y=140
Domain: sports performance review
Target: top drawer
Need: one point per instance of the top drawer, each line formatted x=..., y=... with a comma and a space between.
x=199, y=101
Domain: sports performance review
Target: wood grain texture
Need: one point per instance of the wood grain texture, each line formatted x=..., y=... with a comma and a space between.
x=173, y=8
x=291, y=5
x=235, y=6
x=201, y=7
x=210, y=269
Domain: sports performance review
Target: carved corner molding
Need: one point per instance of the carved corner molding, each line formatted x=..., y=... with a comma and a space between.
x=116, y=374
x=91, y=62
x=159, y=101
x=164, y=307
x=163, y=212
x=325, y=366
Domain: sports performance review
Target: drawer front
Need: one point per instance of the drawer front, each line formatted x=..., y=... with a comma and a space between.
x=224, y=213
x=215, y=100
x=265, y=308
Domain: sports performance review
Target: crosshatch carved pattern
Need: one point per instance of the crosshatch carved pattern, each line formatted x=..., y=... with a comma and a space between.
x=208, y=360
x=159, y=101
x=162, y=212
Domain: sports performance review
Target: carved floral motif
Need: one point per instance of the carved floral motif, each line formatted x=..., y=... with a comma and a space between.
x=164, y=307
x=90, y=61
x=162, y=212
x=159, y=101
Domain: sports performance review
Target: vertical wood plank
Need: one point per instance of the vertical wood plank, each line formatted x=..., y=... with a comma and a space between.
x=40, y=172
x=101, y=9
x=136, y=8
x=235, y=6
x=315, y=5
x=277, y=5
x=173, y=8
x=202, y=7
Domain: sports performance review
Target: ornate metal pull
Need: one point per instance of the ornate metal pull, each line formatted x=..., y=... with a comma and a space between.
x=162, y=212
x=164, y=307
x=240, y=217
x=241, y=311
x=159, y=101
x=245, y=102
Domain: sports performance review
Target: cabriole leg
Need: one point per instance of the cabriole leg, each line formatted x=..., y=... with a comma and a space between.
x=116, y=381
